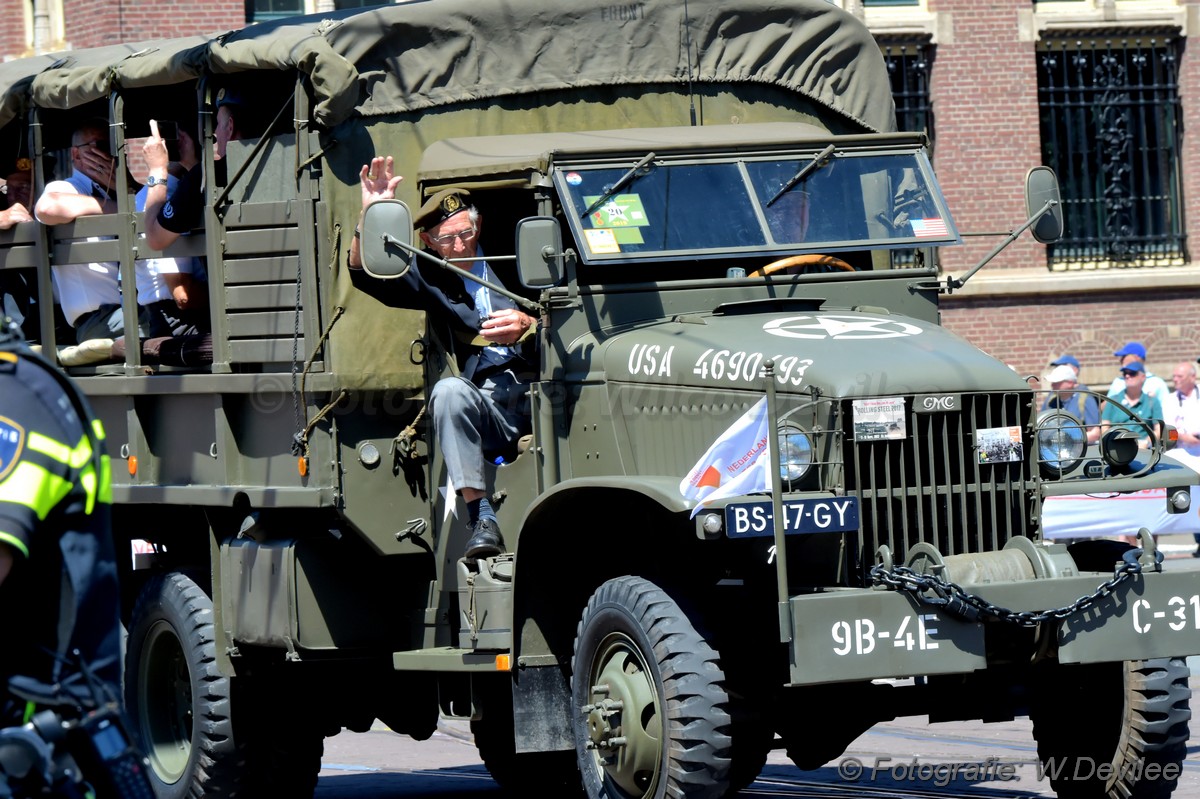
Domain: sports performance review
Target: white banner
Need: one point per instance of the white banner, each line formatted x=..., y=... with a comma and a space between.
x=1104, y=515
x=737, y=463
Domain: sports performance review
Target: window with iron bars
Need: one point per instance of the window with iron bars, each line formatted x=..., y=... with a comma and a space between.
x=908, y=67
x=1110, y=128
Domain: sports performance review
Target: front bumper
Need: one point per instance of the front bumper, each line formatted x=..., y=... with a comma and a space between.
x=851, y=635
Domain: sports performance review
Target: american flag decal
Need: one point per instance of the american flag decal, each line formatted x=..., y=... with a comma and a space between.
x=934, y=226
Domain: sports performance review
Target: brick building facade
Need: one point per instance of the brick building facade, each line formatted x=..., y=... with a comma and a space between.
x=979, y=67
x=983, y=63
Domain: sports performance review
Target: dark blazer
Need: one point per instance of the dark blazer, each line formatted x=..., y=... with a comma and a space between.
x=443, y=296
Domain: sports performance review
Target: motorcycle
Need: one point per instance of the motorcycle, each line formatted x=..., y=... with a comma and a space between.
x=75, y=746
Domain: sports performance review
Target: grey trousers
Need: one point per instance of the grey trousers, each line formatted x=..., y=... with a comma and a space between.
x=474, y=424
x=104, y=322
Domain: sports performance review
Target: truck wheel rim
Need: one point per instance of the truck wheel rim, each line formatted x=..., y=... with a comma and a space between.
x=624, y=717
x=165, y=702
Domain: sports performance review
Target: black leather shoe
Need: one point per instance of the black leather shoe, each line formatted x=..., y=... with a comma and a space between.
x=485, y=540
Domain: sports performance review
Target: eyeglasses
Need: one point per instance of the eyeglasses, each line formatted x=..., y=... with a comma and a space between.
x=462, y=235
x=1129, y=374
x=103, y=143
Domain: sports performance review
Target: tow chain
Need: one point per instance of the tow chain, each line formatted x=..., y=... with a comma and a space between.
x=940, y=593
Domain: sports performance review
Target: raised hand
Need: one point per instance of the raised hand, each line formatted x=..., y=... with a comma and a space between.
x=378, y=180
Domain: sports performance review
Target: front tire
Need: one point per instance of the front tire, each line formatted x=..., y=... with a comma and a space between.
x=650, y=704
x=1125, y=720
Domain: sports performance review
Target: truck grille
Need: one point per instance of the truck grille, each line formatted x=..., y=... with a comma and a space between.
x=929, y=486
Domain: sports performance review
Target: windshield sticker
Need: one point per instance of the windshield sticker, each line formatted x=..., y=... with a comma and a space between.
x=623, y=210
x=925, y=228
x=841, y=327
x=879, y=419
x=574, y=178
x=999, y=444
x=601, y=241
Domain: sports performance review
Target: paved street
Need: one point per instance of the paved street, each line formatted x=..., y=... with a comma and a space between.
x=381, y=765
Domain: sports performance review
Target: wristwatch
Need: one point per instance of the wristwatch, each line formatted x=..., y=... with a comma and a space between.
x=153, y=181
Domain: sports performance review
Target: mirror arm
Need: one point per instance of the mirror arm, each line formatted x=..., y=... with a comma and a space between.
x=528, y=305
x=953, y=283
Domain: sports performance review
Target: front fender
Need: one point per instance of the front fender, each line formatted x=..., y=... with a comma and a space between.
x=661, y=489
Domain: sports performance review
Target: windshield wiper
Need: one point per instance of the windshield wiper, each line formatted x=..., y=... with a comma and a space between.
x=819, y=160
x=640, y=168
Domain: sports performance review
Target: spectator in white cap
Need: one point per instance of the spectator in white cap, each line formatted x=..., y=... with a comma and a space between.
x=1133, y=351
x=1066, y=394
x=1070, y=360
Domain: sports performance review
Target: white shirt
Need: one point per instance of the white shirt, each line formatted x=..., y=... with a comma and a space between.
x=151, y=287
x=1184, y=413
x=83, y=288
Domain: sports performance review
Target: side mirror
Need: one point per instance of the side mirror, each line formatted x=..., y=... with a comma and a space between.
x=1041, y=186
x=539, y=252
x=384, y=220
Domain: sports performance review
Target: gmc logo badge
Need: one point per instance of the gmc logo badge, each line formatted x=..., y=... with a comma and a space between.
x=937, y=403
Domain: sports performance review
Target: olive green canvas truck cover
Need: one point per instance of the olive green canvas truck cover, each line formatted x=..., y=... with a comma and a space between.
x=397, y=78
x=297, y=566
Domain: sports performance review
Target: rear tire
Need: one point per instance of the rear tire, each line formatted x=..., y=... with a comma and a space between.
x=553, y=774
x=1114, y=714
x=183, y=709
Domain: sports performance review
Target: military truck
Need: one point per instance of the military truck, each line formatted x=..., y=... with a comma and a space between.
x=708, y=206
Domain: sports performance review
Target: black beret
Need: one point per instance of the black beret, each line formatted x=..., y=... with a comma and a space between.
x=441, y=206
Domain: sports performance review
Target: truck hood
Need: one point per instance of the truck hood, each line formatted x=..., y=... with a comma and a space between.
x=844, y=353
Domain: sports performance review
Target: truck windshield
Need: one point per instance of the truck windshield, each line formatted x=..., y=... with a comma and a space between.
x=688, y=208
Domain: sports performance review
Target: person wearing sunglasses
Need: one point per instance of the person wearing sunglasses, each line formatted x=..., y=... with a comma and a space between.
x=479, y=415
x=1136, y=400
x=89, y=292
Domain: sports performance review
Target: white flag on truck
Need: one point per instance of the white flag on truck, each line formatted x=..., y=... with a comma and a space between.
x=737, y=463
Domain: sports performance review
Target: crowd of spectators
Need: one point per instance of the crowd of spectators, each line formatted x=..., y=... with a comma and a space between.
x=172, y=292
x=1137, y=400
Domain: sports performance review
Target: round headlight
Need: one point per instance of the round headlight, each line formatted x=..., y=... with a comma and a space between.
x=1061, y=442
x=1119, y=447
x=795, y=454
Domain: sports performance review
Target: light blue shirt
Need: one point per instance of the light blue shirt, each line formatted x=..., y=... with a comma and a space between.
x=485, y=304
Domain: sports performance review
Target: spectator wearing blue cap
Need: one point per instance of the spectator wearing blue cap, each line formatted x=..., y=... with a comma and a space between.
x=1136, y=400
x=1136, y=351
x=1067, y=359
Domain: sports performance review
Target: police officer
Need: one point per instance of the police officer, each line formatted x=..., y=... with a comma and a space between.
x=58, y=575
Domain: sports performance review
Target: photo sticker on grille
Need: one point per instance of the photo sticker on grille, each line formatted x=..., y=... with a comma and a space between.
x=999, y=445
x=879, y=419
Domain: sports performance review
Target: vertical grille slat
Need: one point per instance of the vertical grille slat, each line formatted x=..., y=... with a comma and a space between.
x=915, y=501
x=930, y=486
x=965, y=457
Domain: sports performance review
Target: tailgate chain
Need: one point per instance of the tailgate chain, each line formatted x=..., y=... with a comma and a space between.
x=953, y=599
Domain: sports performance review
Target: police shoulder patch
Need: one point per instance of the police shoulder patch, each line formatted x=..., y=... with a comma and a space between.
x=12, y=441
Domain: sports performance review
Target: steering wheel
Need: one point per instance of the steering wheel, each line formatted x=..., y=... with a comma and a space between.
x=804, y=262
